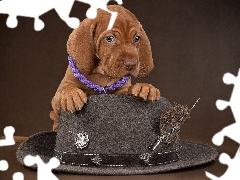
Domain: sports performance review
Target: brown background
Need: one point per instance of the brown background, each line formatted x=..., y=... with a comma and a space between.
x=193, y=42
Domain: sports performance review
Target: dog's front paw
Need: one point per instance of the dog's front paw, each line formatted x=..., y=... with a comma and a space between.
x=70, y=99
x=145, y=91
x=73, y=100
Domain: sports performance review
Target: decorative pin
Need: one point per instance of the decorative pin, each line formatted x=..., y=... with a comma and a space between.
x=97, y=160
x=81, y=140
x=145, y=157
x=171, y=122
x=159, y=140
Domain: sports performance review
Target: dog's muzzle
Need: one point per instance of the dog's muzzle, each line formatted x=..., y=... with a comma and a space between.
x=130, y=64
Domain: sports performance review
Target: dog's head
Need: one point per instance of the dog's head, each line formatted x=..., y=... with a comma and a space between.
x=122, y=50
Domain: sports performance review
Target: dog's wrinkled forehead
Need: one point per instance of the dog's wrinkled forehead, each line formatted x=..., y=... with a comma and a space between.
x=124, y=23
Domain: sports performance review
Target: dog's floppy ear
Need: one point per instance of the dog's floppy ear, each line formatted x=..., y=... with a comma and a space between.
x=145, y=55
x=80, y=45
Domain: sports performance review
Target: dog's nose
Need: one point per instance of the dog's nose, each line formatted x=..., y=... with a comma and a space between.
x=130, y=63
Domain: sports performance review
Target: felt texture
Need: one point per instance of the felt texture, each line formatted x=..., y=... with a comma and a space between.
x=104, y=62
x=116, y=124
x=43, y=144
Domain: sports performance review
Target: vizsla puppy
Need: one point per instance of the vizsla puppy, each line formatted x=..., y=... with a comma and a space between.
x=102, y=61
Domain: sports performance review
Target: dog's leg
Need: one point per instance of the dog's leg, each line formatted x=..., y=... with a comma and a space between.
x=54, y=116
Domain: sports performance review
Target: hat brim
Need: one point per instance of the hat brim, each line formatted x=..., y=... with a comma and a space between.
x=43, y=144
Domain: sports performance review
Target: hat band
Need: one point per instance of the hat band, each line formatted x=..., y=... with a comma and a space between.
x=118, y=160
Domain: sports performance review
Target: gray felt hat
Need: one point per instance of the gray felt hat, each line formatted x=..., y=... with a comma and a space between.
x=114, y=135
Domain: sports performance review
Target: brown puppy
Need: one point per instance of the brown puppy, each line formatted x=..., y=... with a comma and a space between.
x=104, y=57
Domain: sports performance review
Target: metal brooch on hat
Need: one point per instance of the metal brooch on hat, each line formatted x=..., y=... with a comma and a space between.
x=81, y=140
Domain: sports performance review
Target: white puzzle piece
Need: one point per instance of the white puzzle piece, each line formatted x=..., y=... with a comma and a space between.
x=8, y=133
x=232, y=172
x=18, y=176
x=3, y=165
x=44, y=171
x=36, y=8
x=232, y=131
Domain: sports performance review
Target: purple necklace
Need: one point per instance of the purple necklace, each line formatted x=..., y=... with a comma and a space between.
x=89, y=84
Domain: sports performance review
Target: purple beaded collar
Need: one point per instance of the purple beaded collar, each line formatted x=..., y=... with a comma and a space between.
x=89, y=84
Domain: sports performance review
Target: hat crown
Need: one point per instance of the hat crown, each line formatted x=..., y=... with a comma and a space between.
x=114, y=130
x=114, y=124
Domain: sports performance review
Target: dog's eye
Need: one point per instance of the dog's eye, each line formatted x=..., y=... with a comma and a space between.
x=110, y=38
x=136, y=38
